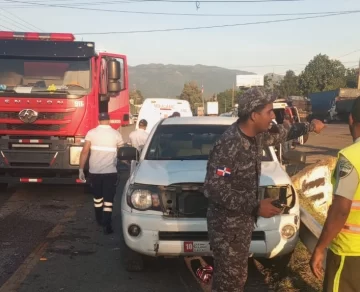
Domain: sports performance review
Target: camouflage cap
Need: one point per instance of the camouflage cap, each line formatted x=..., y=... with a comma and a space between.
x=252, y=98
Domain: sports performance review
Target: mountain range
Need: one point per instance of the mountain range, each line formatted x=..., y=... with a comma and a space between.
x=167, y=81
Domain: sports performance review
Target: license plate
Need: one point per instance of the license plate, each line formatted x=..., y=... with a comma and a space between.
x=196, y=246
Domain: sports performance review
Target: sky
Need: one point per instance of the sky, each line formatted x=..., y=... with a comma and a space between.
x=261, y=48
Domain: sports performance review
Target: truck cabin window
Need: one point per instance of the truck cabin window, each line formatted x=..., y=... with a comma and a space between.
x=187, y=142
x=41, y=76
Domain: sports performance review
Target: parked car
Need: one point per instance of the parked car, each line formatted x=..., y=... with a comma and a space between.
x=163, y=208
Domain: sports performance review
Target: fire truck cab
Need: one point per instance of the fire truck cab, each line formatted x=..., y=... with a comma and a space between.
x=52, y=89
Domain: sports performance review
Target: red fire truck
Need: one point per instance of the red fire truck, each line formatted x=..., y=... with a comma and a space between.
x=52, y=89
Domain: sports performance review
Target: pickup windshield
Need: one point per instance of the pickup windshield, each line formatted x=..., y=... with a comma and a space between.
x=187, y=142
x=25, y=76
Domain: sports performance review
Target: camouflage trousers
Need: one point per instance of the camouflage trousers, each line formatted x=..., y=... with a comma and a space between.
x=230, y=239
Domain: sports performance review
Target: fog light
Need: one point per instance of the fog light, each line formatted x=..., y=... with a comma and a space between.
x=287, y=231
x=134, y=230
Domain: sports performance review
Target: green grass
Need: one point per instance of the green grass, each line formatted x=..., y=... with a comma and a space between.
x=299, y=277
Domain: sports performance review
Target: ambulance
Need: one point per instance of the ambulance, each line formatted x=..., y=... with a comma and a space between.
x=155, y=109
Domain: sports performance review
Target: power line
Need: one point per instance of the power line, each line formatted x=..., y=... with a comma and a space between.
x=213, y=26
x=191, y=1
x=17, y=23
x=184, y=14
x=5, y=27
x=349, y=54
x=20, y=19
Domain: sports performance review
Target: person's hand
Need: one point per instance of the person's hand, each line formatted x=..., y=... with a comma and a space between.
x=318, y=126
x=316, y=262
x=82, y=175
x=267, y=209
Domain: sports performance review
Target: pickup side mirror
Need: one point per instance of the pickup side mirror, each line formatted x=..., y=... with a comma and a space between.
x=127, y=153
x=295, y=157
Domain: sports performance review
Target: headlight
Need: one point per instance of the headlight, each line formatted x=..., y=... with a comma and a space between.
x=75, y=152
x=141, y=199
x=287, y=231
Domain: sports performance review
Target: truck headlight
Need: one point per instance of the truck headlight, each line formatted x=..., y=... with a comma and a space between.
x=141, y=199
x=144, y=198
x=75, y=152
x=288, y=231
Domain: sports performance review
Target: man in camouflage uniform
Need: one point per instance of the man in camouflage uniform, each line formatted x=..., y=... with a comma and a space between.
x=232, y=181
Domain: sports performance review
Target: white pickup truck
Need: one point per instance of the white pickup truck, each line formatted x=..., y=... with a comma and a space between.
x=163, y=208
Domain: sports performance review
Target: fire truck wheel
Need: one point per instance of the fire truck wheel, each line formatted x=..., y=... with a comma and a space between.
x=3, y=187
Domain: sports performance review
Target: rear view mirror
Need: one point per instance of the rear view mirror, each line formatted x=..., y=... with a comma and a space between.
x=127, y=153
x=114, y=76
x=295, y=157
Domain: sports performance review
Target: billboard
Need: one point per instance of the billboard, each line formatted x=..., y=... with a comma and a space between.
x=249, y=80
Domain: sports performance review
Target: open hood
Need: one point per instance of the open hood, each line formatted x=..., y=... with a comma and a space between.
x=160, y=172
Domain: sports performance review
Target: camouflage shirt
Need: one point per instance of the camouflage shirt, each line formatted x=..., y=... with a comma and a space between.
x=234, y=167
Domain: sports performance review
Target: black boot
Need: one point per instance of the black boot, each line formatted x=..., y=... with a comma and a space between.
x=99, y=215
x=108, y=229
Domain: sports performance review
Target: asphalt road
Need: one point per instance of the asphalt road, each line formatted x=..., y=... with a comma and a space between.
x=333, y=138
x=50, y=242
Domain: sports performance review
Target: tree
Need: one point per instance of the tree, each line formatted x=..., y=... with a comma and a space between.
x=225, y=100
x=289, y=85
x=352, y=78
x=136, y=96
x=192, y=94
x=322, y=74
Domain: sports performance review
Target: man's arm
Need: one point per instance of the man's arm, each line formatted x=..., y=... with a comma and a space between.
x=279, y=134
x=220, y=168
x=347, y=181
x=84, y=154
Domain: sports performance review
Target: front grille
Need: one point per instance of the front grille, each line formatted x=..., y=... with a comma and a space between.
x=41, y=116
x=200, y=236
x=30, y=127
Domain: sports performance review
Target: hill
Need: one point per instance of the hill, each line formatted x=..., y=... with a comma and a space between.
x=159, y=80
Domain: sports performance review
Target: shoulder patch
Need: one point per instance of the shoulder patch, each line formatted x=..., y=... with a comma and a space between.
x=345, y=168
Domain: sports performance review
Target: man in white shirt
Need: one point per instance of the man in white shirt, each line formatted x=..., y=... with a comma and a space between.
x=103, y=141
x=139, y=136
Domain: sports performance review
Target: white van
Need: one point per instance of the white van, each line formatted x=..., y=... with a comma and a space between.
x=155, y=109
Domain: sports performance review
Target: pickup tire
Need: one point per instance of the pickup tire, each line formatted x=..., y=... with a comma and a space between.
x=279, y=265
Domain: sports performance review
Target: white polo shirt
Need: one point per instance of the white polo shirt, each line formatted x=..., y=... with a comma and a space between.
x=138, y=138
x=104, y=144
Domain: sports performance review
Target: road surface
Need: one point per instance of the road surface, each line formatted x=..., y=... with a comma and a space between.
x=49, y=242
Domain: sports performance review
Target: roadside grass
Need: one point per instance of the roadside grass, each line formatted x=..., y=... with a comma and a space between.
x=307, y=205
x=298, y=276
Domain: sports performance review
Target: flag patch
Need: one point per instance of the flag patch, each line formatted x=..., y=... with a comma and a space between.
x=223, y=171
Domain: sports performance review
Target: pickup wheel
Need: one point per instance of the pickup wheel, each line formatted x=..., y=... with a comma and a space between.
x=280, y=264
x=3, y=187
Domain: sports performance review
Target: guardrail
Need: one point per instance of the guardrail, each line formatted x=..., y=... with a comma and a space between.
x=310, y=231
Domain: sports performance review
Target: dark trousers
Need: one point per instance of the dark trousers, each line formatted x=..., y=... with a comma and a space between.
x=342, y=273
x=104, y=188
x=230, y=239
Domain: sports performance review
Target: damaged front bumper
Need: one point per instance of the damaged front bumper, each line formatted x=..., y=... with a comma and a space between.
x=157, y=235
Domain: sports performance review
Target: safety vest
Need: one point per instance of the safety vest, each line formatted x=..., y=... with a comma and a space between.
x=347, y=242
